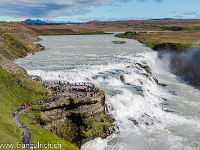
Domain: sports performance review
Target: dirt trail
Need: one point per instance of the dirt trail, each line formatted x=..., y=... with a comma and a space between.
x=25, y=133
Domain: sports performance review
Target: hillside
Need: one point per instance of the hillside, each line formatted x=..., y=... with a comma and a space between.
x=17, y=88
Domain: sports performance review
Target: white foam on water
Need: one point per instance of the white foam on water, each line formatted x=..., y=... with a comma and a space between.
x=141, y=122
x=95, y=144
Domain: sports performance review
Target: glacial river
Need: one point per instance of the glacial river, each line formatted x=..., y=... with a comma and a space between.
x=147, y=116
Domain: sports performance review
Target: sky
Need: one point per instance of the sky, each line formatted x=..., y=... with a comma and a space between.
x=101, y=10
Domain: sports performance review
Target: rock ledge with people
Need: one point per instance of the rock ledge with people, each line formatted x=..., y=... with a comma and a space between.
x=76, y=112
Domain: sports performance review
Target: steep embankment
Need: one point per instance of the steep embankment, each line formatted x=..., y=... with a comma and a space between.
x=16, y=86
x=13, y=92
x=17, y=41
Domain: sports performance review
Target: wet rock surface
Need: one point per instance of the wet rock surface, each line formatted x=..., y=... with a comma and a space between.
x=41, y=46
x=149, y=73
x=119, y=42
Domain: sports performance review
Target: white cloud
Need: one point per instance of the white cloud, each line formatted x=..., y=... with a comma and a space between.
x=112, y=19
x=146, y=0
x=190, y=13
x=50, y=8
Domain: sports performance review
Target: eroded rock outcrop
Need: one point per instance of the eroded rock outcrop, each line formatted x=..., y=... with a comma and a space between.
x=149, y=74
x=75, y=118
x=119, y=42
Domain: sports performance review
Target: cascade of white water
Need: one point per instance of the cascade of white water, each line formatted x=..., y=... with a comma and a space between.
x=143, y=120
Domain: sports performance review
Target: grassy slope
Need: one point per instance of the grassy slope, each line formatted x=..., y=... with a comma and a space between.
x=12, y=95
x=16, y=88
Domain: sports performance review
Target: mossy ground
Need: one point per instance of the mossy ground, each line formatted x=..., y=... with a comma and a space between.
x=97, y=128
x=14, y=42
x=177, y=46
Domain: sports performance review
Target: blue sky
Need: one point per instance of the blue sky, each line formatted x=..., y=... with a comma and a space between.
x=102, y=10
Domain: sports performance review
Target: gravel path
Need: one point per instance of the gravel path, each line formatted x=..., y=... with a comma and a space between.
x=25, y=133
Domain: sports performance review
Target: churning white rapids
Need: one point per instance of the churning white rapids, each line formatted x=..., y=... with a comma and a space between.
x=143, y=119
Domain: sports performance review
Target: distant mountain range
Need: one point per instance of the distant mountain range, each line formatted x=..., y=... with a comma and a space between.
x=47, y=21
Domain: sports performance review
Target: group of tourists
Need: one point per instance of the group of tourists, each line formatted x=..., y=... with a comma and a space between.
x=22, y=107
x=25, y=136
x=49, y=100
x=81, y=89
x=36, y=78
x=91, y=90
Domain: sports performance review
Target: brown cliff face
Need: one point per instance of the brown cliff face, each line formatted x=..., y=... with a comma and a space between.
x=16, y=41
x=75, y=118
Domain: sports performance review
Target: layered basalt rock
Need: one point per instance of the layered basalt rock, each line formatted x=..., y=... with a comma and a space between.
x=75, y=118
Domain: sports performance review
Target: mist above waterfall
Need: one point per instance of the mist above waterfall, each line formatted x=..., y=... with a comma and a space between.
x=184, y=64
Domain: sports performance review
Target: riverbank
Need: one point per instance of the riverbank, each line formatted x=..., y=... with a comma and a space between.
x=67, y=30
x=169, y=40
x=16, y=86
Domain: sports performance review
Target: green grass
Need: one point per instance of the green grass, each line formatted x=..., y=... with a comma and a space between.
x=15, y=42
x=176, y=40
x=7, y=52
x=41, y=135
x=12, y=95
x=177, y=46
x=12, y=47
x=151, y=45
